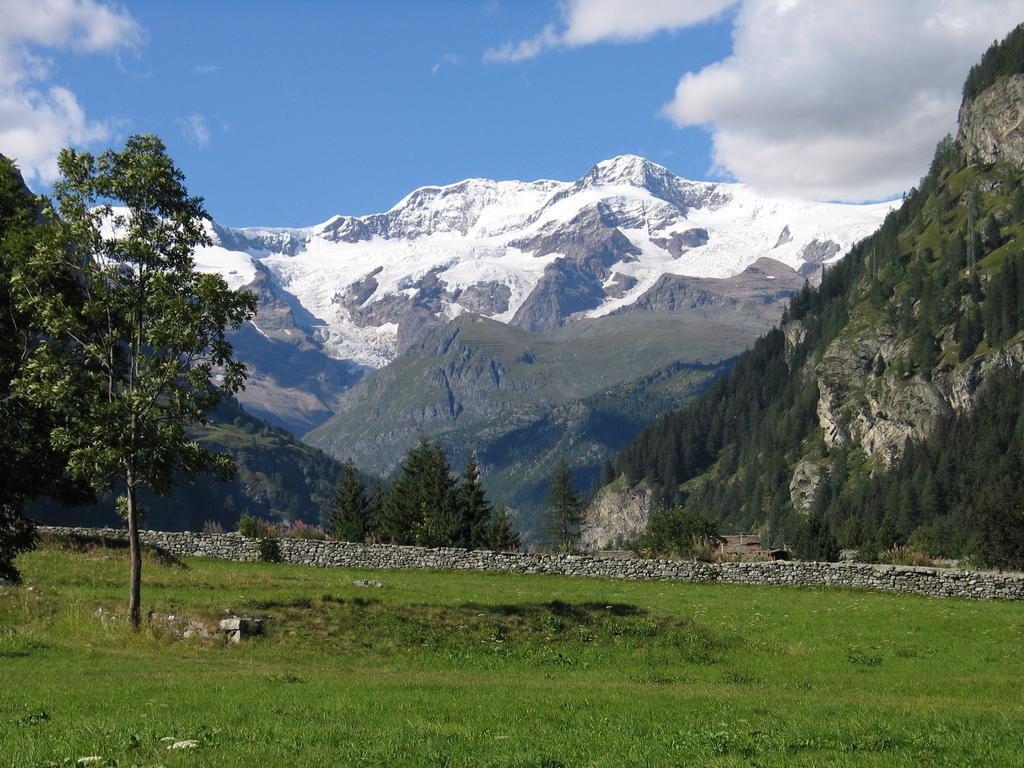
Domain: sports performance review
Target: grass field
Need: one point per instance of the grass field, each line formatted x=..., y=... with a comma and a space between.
x=445, y=669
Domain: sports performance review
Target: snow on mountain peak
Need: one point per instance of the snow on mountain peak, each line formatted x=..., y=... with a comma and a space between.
x=489, y=246
x=630, y=169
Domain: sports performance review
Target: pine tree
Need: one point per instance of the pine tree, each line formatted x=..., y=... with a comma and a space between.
x=347, y=517
x=475, y=510
x=376, y=513
x=423, y=506
x=607, y=472
x=814, y=540
x=563, y=513
x=502, y=537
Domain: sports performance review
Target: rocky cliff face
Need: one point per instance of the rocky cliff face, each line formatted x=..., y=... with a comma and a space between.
x=865, y=401
x=761, y=291
x=992, y=125
x=617, y=516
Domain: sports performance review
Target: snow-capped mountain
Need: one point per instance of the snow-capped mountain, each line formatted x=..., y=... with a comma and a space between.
x=499, y=248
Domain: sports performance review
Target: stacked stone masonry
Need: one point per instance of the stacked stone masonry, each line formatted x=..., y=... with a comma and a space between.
x=935, y=582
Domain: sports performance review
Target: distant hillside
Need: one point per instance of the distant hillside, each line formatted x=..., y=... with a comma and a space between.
x=889, y=403
x=278, y=478
x=522, y=399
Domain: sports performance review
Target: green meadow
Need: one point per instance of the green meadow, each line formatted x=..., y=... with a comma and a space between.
x=482, y=669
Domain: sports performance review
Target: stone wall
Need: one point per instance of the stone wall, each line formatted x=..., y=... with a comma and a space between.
x=935, y=582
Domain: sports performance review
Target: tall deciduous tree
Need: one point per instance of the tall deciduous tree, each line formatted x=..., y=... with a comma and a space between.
x=31, y=465
x=149, y=343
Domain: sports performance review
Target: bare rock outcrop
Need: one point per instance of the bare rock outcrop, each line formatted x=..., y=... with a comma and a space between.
x=992, y=124
x=864, y=400
x=618, y=515
x=804, y=485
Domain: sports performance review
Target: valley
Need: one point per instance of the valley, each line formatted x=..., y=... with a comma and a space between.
x=522, y=320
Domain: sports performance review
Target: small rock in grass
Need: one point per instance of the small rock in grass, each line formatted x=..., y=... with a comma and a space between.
x=367, y=583
x=186, y=744
x=90, y=760
x=238, y=627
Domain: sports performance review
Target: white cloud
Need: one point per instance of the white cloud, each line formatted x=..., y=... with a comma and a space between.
x=37, y=117
x=594, y=21
x=195, y=129
x=206, y=69
x=448, y=59
x=846, y=104
x=837, y=100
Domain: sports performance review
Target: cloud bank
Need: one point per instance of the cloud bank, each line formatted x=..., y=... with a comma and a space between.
x=837, y=100
x=37, y=117
x=841, y=103
x=594, y=21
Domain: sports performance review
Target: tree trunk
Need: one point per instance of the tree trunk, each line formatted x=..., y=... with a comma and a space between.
x=135, y=553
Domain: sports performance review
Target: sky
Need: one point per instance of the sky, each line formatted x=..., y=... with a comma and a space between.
x=284, y=114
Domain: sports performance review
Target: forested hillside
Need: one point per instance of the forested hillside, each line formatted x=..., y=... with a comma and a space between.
x=888, y=404
x=277, y=478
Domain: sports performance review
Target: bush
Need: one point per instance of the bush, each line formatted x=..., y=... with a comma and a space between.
x=903, y=556
x=17, y=535
x=212, y=526
x=301, y=530
x=867, y=553
x=679, y=532
x=270, y=550
x=814, y=540
x=254, y=528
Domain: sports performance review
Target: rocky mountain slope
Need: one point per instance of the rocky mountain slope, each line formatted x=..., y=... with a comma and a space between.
x=349, y=295
x=521, y=400
x=869, y=407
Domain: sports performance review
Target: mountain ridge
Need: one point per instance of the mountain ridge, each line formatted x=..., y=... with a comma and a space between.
x=537, y=255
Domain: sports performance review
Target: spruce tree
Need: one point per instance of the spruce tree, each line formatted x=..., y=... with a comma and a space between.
x=423, y=506
x=376, y=512
x=814, y=540
x=349, y=510
x=969, y=332
x=607, y=472
x=475, y=510
x=564, y=512
x=502, y=537
x=402, y=509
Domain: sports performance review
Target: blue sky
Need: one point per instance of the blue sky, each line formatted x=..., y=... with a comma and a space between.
x=287, y=113
x=331, y=108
